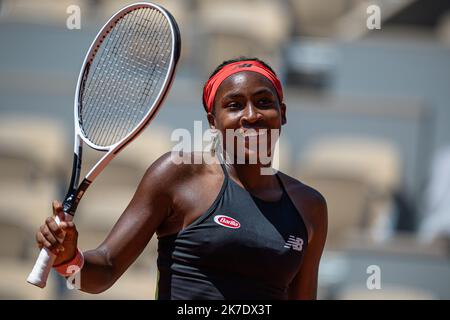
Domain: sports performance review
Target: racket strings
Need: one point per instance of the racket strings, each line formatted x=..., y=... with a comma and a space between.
x=119, y=105
x=120, y=93
x=149, y=85
x=126, y=76
x=101, y=98
x=104, y=63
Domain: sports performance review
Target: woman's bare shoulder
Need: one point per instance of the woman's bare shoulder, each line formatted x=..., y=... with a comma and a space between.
x=173, y=168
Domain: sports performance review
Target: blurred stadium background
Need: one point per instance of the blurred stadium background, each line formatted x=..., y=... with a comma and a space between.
x=368, y=126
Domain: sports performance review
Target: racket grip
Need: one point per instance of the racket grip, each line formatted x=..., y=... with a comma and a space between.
x=43, y=265
x=41, y=269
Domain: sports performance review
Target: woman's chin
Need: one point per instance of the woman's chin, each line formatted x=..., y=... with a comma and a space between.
x=249, y=156
x=248, y=152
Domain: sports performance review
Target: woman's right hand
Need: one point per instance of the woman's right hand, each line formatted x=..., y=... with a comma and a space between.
x=62, y=239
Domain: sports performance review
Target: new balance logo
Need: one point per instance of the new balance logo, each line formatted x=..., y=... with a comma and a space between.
x=294, y=243
x=244, y=65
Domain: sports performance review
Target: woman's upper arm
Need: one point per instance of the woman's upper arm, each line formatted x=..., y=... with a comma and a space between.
x=304, y=285
x=148, y=208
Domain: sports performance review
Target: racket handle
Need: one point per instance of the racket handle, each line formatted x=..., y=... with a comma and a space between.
x=43, y=265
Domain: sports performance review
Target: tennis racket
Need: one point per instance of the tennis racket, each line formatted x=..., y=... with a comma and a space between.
x=124, y=79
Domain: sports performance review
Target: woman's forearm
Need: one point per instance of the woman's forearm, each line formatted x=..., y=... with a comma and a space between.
x=97, y=274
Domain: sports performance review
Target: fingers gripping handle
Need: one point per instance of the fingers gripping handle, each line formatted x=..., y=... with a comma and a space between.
x=44, y=263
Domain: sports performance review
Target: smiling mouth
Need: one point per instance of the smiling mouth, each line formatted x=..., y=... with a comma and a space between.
x=251, y=133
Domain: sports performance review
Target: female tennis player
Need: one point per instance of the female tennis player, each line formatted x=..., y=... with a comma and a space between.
x=225, y=230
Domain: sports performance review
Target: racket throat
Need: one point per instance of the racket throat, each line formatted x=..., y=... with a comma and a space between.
x=70, y=204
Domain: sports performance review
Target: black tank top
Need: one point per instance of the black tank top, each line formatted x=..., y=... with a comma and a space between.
x=241, y=248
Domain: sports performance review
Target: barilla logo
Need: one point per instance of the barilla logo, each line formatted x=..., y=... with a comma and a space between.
x=227, y=222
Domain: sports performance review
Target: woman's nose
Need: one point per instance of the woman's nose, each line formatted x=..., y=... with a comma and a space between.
x=251, y=114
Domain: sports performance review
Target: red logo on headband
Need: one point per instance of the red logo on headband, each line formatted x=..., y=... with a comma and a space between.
x=214, y=82
x=244, y=65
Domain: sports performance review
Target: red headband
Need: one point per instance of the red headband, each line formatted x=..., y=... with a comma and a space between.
x=213, y=84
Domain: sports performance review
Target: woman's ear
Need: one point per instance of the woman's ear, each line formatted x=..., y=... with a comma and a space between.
x=283, y=113
x=211, y=120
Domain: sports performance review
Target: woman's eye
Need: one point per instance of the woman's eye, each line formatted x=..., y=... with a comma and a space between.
x=265, y=102
x=233, y=105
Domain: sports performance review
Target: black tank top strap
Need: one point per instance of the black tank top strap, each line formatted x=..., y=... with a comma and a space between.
x=222, y=164
x=287, y=196
x=281, y=184
x=216, y=201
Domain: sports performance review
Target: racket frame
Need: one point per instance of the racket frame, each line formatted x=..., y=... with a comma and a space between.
x=76, y=190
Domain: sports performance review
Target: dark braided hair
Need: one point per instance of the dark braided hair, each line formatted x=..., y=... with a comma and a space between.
x=223, y=64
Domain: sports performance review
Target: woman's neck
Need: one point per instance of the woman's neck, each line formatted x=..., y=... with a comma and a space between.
x=258, y=179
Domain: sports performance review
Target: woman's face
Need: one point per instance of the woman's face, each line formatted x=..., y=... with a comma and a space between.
x=246, y=106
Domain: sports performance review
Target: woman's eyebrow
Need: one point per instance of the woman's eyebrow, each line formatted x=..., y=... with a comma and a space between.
x=235, y=95
x=263, y=91
x=232, y=95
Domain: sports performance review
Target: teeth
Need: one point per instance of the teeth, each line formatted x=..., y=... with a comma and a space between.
x=252, y=133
